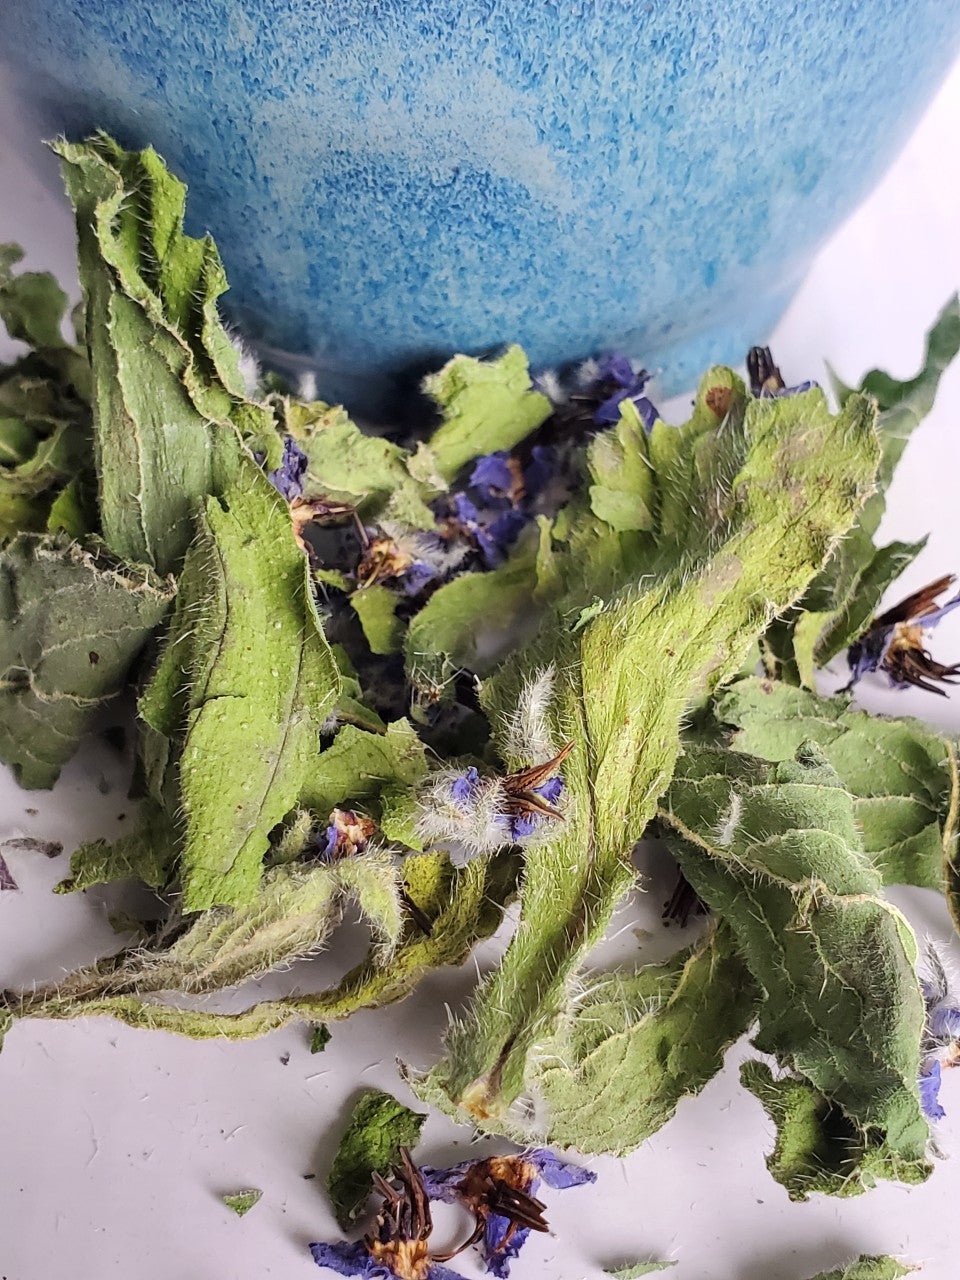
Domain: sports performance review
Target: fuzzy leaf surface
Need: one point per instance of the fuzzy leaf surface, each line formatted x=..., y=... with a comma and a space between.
x=868, y=1267
x=359, y=765
x=901, y=774
x=775, y=851
x=147, y=854
x=463, y=907
x=621, y=687
x=72, y=622
x=262, y=683
x=167, y=390
x=348, y=466
x=638, y=1043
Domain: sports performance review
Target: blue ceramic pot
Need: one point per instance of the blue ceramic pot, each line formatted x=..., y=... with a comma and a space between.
x=392, y=180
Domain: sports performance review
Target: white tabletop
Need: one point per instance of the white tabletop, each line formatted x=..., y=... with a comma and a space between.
x=115, y=1145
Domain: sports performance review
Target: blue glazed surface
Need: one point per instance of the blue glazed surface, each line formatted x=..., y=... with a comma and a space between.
x=391, y=180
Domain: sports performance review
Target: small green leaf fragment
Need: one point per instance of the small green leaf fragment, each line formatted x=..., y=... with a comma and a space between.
x=359, y=765
x=147, y=854
x=868, y=1267
x=622, y=493
x=376, y=607
x=471, y=621
x=320, y=1037
x=634, y=1270
x=32, y=304
x=349, y=466
x=487, y=405
x=242, y=1202
x=378, y=1127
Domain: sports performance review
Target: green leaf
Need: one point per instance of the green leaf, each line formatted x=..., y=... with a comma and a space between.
x=695, y=463
x=486, y=405
x=320, y=1037
x=904, y=405
x=621, y=687
x=463, y=907
x=901, y=774
x=868, y=1267
x=291, y=916
x=635, y=1044
x=634, y=1270
x=845, y=596
x=348, y=466
x=376, y=606
x=818, y=1148
x=622, y=492
x=774, y=849
x=262, y=683
x=72, y=622
x=147, y=854
x=241, y=1202
x=359, y=766
x=71, y=511
x=473, y=620
x=167, y=391
x=32, y=304
x=379, y=1126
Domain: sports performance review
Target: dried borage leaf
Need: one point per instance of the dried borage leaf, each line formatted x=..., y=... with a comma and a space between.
x=431, y=674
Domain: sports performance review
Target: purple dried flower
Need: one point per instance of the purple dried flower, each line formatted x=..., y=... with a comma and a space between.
x=894, y=642
x=346, y=834
x=541, y=470
x=628, y=384
x=496, y=475
x=354, y=1259
x=930, y=1091
x=288, y=477
x=464, y=788
x=501, y=1193
x=417, y=576
x=398, y=1247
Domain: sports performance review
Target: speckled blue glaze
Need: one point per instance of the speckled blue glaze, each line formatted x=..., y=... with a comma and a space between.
x=390, y=180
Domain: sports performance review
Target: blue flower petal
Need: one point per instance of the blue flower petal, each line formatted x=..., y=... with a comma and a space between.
x=330, y=844
x=463, y=789
x=607, y=413
x=551, y=790
x=349, y=1259
x=540, y=470
x=648, y=411
x=521, y=826
x=493, y=472
x=557, y=1173
x=618, y=368
x=497, y=1255
x=505, y=529
x=930, y=1091
x=943, y=1023
x=781, y=392
x=932, y=619
x=418, y=576
x=288, y=477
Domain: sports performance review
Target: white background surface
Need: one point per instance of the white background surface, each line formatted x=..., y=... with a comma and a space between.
x=115, y=1145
